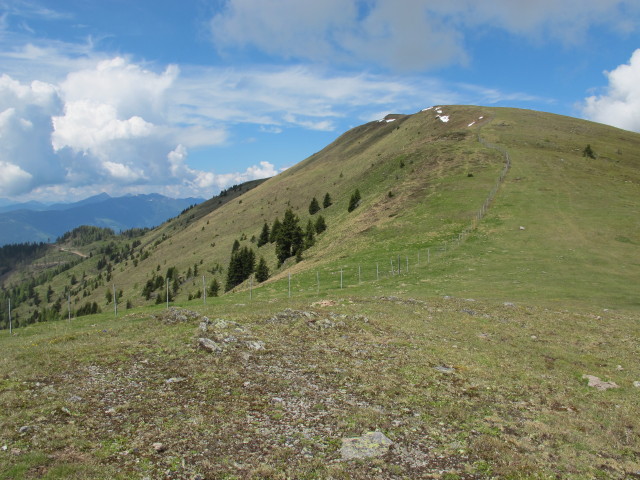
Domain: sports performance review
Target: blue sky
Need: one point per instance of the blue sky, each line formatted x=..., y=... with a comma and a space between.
x=187, y=97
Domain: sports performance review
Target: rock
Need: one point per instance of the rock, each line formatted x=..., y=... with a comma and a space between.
x=324, y=303
x=521, y=227
x=176, y=315
x=636, y=384
x=509, y=304
x=320, y=324
x=255, y=344
x=209, y=345
x=159, y=447
x=371, y=444
x=204, y=326
x=175, y=380
x=25, y=429
x=74, y=398
x=599, y=384
x=443, y=369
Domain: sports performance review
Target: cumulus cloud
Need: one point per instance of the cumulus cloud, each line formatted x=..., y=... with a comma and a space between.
x=413, y=35
x=620, y=105
x=26, y=155
x=13, y=180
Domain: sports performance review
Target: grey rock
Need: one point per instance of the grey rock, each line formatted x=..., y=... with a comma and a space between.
x=159, y=447
x=371, y=444
x=599, y=384
x=209, y=345
x=25, y=429
x=443, y=369
x=175, y=380
x=255, y=344
x=636, y=384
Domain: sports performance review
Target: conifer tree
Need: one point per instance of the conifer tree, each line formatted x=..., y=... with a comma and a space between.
x=290, y=239
x=214, y=288
x=262, y=271
x=588, y=152
x=241, y=266
x=314, y=206
x=236, y=246
x=354, y=202
x=326, y=203
x=321, y=225
x=309, y=235
x=275, y=230
x=264, y=235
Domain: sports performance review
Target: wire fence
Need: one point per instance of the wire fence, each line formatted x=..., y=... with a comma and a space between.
x=336, y=278
x=348, y=275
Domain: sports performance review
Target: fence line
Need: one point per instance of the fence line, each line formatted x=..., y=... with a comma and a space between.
x=360, y=274
x=395, y=267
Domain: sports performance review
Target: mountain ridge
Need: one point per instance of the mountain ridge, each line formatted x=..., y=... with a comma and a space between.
x=118, y=213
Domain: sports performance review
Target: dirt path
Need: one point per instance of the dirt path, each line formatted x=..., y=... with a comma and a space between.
x=75, y=252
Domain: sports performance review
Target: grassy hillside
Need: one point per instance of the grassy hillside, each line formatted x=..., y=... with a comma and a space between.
x=457, y=322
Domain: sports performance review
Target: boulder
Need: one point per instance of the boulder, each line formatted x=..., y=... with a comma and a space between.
x=371, y=444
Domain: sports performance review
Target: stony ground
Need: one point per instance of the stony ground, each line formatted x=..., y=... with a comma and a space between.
x=279, y=394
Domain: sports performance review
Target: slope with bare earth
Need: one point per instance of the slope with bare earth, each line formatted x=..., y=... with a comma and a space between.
x=469, y=336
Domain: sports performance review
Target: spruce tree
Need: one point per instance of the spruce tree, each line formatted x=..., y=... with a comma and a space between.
x=326, y=203
x=309, y=235
x=241, y=266
x=354, y=202
x=262, y=271
x=314, y=206
x=264, y=235
x=588, y=152
x=275, y=230
x=214, y=288
x=290, y=238
x=321, y=225
x=236, y=246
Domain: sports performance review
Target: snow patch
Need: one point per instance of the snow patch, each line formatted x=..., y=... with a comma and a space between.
x=443, y=118
x=439, y=111
x=480, y=118
x=471, y=124
x=390, y=120
x=426, y=109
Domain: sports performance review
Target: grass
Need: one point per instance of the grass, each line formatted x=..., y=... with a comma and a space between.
x=95, y=395
x=515, y=316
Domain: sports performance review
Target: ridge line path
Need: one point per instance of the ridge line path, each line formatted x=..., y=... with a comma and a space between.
x=75, y=252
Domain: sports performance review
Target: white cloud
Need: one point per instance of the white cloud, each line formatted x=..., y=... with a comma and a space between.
x=620, y=105
x=13, y=180
x=26, y=155
x=87, y=127
x=121, y=172
x=411, y=35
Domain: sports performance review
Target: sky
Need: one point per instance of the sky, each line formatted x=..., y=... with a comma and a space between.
x=185, y=98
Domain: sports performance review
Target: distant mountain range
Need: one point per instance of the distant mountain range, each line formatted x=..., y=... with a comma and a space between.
x=38, y=222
